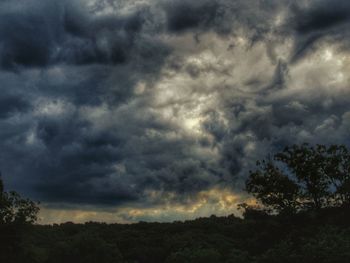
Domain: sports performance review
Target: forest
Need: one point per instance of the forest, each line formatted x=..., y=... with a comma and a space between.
x=301, y=215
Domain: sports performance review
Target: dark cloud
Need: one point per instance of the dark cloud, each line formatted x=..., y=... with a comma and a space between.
x=65, y=32
x=222, y=16
x=27, y=38
x=12, y=105
x=320, y=20
x=322, y=15
x=106, y=40
x=21, y=44
x=114, y=102
x=185, y=15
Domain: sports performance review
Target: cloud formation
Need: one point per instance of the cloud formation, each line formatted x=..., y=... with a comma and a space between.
x=148, y=105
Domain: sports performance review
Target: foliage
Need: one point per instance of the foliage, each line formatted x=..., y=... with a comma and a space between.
x=197, y=255
x=302, y=177
x=85, y=247
x=273, y=188
x=15, y=214
x=312, y=236
x=16, y=210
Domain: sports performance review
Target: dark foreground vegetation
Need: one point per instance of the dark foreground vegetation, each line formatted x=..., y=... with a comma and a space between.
x=302, y=214
x=308, y=237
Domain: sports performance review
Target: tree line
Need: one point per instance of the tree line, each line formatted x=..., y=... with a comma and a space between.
x=301, y=214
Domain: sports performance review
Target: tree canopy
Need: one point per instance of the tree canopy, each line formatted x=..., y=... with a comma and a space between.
x=16, y=210
x=302, y=177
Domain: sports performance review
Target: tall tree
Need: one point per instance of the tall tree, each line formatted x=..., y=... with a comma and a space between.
x=273, y=188
x=338, y=170
x=307, y=164
x=15, y=214
x=16, y=210
x=302, y=177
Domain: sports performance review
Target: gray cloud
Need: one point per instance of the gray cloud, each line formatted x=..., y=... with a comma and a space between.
x=150, y=103
x=66, y=32
x=12, y=105
x=320, y=21
x=187, y=15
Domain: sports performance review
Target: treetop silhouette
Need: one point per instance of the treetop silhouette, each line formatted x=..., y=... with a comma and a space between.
x=302, y=177
x=16, y=210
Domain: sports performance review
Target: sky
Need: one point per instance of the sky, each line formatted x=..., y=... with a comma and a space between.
x=155, y=110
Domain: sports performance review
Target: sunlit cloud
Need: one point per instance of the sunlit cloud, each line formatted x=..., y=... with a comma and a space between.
x=214, y=201
x=123, y=111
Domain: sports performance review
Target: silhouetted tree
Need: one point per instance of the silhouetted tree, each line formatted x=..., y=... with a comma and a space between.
x=16, y=210
x=273, y=188
x=15, y=214
x=302, y=177
x=307, y=166
x=337, y=168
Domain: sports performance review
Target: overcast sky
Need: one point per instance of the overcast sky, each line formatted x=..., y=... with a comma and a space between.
x=128, y=110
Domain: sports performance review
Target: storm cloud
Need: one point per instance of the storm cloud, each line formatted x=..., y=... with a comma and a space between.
x=154, y=104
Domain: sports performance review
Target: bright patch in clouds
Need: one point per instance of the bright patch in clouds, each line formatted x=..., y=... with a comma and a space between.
x=123, y=111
